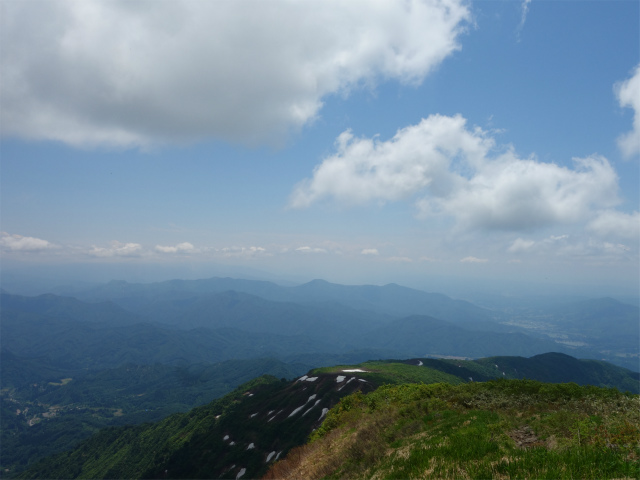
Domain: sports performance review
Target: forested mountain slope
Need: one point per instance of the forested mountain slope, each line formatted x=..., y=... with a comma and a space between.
x=243, y=432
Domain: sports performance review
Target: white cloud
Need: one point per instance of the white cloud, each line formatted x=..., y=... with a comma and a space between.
x=509, y=193
x=616, y=224
x=452, y=170
x=183, y=247
x=585, y=248
x=521, y=245
x=236, y=251
x=473, y=260
x=132, y=73
x=117, y=249
x=628, y=93
x=23, y=244
x=370, y=251
x=523, y=17
x=417, y=157
x=307, y=249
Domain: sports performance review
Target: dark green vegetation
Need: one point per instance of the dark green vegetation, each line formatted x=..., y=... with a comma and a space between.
x=222, y=437
x=498, y=429
x=547, y=367
x=251, y=427
x=42, y=417
x=123, y=354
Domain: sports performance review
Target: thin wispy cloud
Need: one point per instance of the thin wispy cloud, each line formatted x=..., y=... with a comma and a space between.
x=184, y=247
x=473, y=260
x=523, y=18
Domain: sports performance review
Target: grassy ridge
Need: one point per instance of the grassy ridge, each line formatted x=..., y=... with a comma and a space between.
x=383, y=372
x=497, y=429
x=412, y=419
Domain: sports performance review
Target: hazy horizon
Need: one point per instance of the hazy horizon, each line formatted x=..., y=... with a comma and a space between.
x=65, y=279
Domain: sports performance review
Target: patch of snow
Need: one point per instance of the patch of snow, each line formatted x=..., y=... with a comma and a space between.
x=277, y=413
x=270, y=412
x=496, y=365
x=340, y=378
x=311, y=408
x=311, y=379
x=348, y=381
x=420, y=363
x=278, y=456
x=311, y=397
x=302, y=378
x=296, y=411
x=253, y=415
x=503, y=373
x=270, y=456
x=225, y=438
x=241, y=473
x=251, y=446
x=355, y=370
x=232, y=443
x=251, y=394
x=362, y=380
x=324, y=412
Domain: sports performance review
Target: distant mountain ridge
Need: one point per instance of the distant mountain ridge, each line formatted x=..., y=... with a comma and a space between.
x=391, y=299
x=69, y=308
x=262, y=328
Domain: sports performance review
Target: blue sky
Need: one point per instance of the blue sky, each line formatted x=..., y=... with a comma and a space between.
x=360, y=142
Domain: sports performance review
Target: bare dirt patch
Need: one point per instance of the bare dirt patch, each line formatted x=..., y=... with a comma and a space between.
x=525, y=437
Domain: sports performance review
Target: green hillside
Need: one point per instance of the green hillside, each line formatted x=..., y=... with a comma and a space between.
x=498, y=429
x=260, y=422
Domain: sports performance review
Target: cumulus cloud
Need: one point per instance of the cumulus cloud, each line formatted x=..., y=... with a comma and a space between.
x=14, y=242
x=133, y=73
x=473, y=260
x=616, y=224
x=183, y=247
x=370, y=251
x=417, y=157
x=450, y=169
x=628, y=93
x=117, y=249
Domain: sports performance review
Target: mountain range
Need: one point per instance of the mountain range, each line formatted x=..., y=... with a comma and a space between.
x=123, y=353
